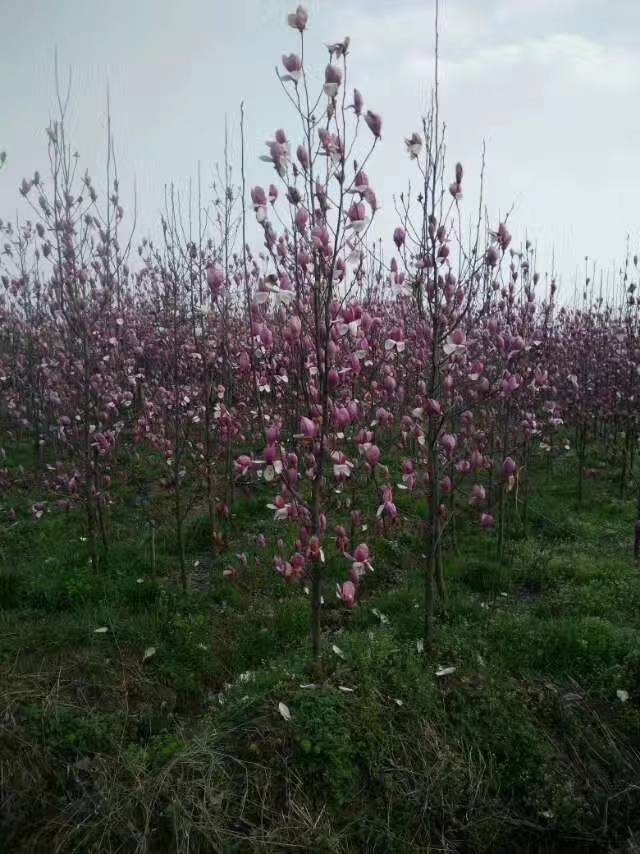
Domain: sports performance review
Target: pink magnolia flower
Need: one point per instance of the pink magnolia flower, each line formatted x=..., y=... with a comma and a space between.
x=361, y=181
x=414, y=145
x=293, y=65
x=341, y=465
x=258, y=197
x=476, y=370
x=374, y=123
x=410, y=480
x=487, y=520
x=509, y=467
x=280, y=507
x=243, y=464
x=371, y=198
x=297, y=563
x=390, y=384
x=333, y=379
x=510, y=382
x=347, y=593
x=492, y=257
x=502, y=236
x=332, y=80
x=303, y=157
x=273, y=194
x=332, y=145
x=449, y=443
x=399, y=236
x=387, y=509
x=541, y=377
x=339, y=49
x=308, y=428
x=294, y=327
x=322, y=239
x=278, y=155
x=361, y=554
x=271, y=453
x=314, y=551
x=357, y=216
x=372, y=455
x=215, y=279
x=342, y=540
x=358, y=102
x=342, y=417
x=298, y=20
x=455, y=343
x=284, y=568
x=302, y=219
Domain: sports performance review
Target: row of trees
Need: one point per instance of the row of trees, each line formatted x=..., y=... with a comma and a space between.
x=317, y=363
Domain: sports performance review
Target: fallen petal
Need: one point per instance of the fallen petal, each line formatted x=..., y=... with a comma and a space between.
x=284, y=711
x=445, y=671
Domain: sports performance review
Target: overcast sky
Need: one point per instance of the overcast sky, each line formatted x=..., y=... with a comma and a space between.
x=552, y=86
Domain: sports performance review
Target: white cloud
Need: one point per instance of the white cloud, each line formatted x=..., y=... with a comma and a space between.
x=554, y=109
x=595, y=65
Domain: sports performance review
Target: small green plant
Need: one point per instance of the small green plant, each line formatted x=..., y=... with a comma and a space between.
x=325, y=751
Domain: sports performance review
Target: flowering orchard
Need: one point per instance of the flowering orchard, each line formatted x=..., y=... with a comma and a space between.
x=333, y=374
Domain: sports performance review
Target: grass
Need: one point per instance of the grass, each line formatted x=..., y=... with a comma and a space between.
x=163, y=731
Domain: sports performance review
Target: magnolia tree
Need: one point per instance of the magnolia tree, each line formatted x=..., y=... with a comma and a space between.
x=66, y=282
x=315, y=255
x=459, y=326
x=185, y=361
